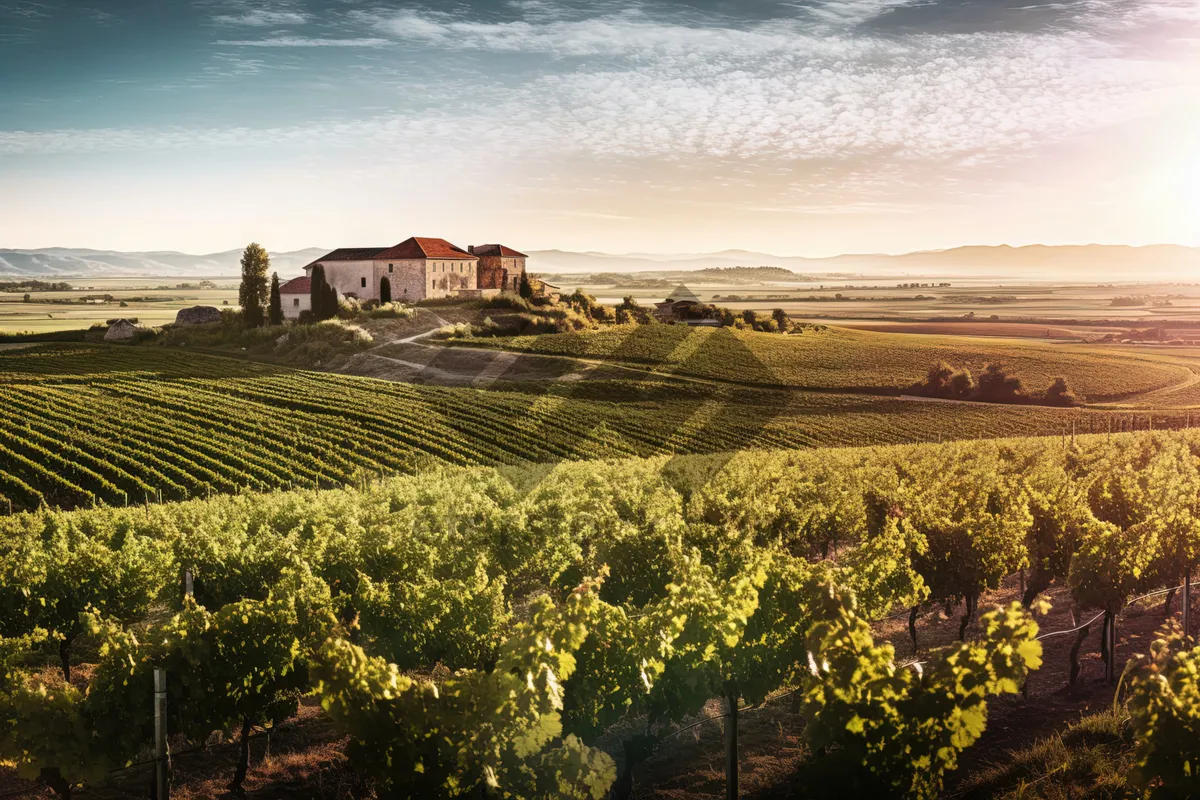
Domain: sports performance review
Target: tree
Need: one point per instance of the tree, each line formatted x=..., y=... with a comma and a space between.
x=1059, y=394
x=997, y=386
x=782, y=320
x=324, y=296
x=962, y=384
x=526, y=288
x=275, y=307
x=252, y=294
x=937, y=382
x=385, y=290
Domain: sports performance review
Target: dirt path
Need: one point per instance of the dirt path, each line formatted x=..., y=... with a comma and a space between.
x=916, y=398
x=1163, y=393
x=416, y=359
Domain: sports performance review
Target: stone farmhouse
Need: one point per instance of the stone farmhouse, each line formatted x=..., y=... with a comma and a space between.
x=417, y=269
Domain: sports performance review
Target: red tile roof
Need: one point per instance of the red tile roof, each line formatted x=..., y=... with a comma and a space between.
x=496, y=250
x=297, y=286
x=419, y=248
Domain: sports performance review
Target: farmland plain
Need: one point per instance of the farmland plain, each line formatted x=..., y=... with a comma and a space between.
x=922, y=298
x=91, y=301
x=967, y=305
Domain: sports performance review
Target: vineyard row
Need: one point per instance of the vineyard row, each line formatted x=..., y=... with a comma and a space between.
x=710, y=577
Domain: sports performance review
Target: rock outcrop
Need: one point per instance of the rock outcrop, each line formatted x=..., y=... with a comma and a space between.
x=198, y=315
x=122, y=331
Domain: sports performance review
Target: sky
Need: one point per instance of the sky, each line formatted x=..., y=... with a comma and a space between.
x=797, y=127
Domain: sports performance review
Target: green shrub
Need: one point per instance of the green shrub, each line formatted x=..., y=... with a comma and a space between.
x=508, y=300
x=391, y=311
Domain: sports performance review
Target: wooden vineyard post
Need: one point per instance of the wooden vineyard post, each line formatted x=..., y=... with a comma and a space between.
x=731, y=742
x=1083, y=632
x=1110, y=634
x=162, y=776
x=187, y=582
x=1187, y=606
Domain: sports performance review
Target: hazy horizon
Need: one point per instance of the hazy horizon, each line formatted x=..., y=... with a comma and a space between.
x=644, y=254
x=813, y=127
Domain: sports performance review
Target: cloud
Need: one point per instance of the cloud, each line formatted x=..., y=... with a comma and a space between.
x=929, y=98
x=263, y=18
x=627, y=34
x=708, y=97
x=26, y=10
x=629, y=31
x=302, y=41
x=228, y=65
x=848, y=13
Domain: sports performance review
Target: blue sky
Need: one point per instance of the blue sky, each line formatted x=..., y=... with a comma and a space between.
x=803, y=127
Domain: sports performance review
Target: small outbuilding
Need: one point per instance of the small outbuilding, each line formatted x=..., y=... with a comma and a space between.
x=681, y=305
x=296, y=296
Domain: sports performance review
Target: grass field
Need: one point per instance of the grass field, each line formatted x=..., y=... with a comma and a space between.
x=842, y=359
x=82, y=424
x=153, y=301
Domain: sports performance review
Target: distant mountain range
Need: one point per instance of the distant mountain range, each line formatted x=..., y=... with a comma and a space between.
x=1077, y=262
x=67, y=262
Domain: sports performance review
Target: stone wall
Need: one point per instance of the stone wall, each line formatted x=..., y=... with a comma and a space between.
x=406, y=276
x=411, y=279
x=444, y=278
x=501, y=272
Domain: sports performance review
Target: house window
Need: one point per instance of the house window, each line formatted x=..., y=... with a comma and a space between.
x=390, y=268
x=296, y=302
x=364, y=283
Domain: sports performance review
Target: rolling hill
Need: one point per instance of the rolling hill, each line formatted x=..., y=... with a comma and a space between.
x=72, y=262
x=1068, y=262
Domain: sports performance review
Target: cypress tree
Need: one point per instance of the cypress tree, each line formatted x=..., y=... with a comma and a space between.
x=385, y=290
x=526, y=289
x=322, y=295
x=275, y=307
x=252, y=294
x=331, y=301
